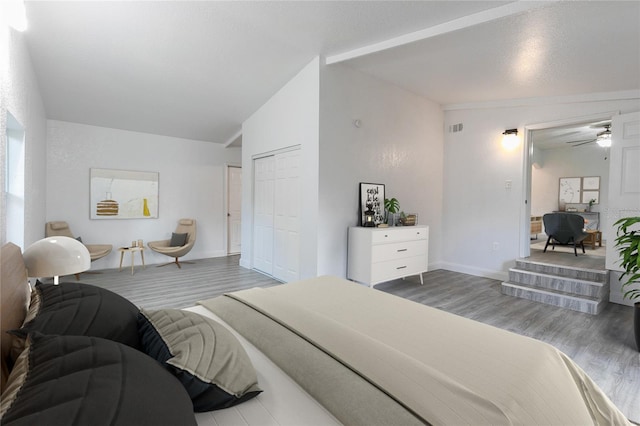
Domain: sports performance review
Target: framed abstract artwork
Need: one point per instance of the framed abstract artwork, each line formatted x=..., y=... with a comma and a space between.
x=372, y=198
x=591, y=190
x=123, y=194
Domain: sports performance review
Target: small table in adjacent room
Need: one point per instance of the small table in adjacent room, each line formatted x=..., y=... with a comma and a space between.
x=133, y=250
x=594, y=237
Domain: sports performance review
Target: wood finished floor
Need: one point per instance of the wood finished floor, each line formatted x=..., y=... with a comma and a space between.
x=602, y=344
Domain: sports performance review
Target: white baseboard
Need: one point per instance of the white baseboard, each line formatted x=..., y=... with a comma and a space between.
x=479, y=272
x=434, y=266
x=206, y=254
x=615, y=289
x=244, y=263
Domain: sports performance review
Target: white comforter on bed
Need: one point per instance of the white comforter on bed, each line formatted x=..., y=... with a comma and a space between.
x=282, y=402
x=446, y=369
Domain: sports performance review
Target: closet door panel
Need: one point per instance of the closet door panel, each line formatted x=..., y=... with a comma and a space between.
x=263, y=213
x=287, y=216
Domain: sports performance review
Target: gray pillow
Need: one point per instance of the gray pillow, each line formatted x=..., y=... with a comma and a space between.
x=178, y=240
x=209, y=361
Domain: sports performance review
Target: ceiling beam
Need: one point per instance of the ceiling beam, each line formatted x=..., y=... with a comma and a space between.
x=447, y=27
x=547, y=100
x=233, y=138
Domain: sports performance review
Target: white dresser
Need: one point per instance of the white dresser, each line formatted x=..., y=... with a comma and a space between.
x=384, y=254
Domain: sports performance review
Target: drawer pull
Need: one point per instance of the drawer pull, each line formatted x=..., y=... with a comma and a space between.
x=399, y=250
x=401, y=267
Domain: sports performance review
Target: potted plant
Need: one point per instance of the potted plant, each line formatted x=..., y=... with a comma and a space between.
x=392, y=206
x=628, y=244
x=591, y=202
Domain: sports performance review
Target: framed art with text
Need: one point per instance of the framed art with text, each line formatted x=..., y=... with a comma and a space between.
x=372, y=197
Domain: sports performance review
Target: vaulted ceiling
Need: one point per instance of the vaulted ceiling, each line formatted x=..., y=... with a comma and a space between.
x=198, y=69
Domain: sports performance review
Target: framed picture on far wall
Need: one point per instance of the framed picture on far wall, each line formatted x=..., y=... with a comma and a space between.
x=123, y=194
x=372, y=197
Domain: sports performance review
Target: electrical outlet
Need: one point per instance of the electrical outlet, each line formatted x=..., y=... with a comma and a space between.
x=507, y=184
x=496, y=246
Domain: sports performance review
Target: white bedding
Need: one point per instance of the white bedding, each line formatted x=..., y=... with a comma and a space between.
x=283, y=401
x=443, y=368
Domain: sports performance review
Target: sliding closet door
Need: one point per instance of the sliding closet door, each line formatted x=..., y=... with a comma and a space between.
x=276, y=215
x=286, y=260
x=263, y=202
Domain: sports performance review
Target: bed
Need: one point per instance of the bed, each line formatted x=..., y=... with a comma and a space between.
x=329, y=351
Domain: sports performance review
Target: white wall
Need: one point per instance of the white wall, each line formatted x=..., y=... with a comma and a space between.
x=192, y=184
x=289, y=118
x=478, y=210
x=399, y=144
x=585, y=160
x=20, y=95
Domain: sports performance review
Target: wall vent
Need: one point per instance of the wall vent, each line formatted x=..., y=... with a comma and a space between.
x=454, y=128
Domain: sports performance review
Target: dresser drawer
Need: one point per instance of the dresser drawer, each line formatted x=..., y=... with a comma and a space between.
x=398, y=268
x=394, y=235
x=384, y=252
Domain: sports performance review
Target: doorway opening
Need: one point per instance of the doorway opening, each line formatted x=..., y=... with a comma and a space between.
x=234, y=209
x=555, y=151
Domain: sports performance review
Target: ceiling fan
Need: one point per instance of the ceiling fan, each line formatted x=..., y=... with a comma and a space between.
x=603, y=138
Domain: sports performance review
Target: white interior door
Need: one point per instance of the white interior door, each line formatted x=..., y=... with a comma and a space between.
x=263, y=202
x=234, y=206
x=624, y=191
x=624, y=178
x=286, y=260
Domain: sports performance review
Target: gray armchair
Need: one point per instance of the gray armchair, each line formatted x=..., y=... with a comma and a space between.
x=60, y=228
x=564, y=228
x=175, y=248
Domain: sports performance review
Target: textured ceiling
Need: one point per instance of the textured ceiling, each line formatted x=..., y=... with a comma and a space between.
x=197, y=70
x=562, y=48
x=569, y=136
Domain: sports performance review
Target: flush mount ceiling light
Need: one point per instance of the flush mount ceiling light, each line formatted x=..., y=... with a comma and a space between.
x=603, y=138
x=510, y=139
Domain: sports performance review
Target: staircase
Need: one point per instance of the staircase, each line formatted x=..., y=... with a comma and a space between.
x=583, y=290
